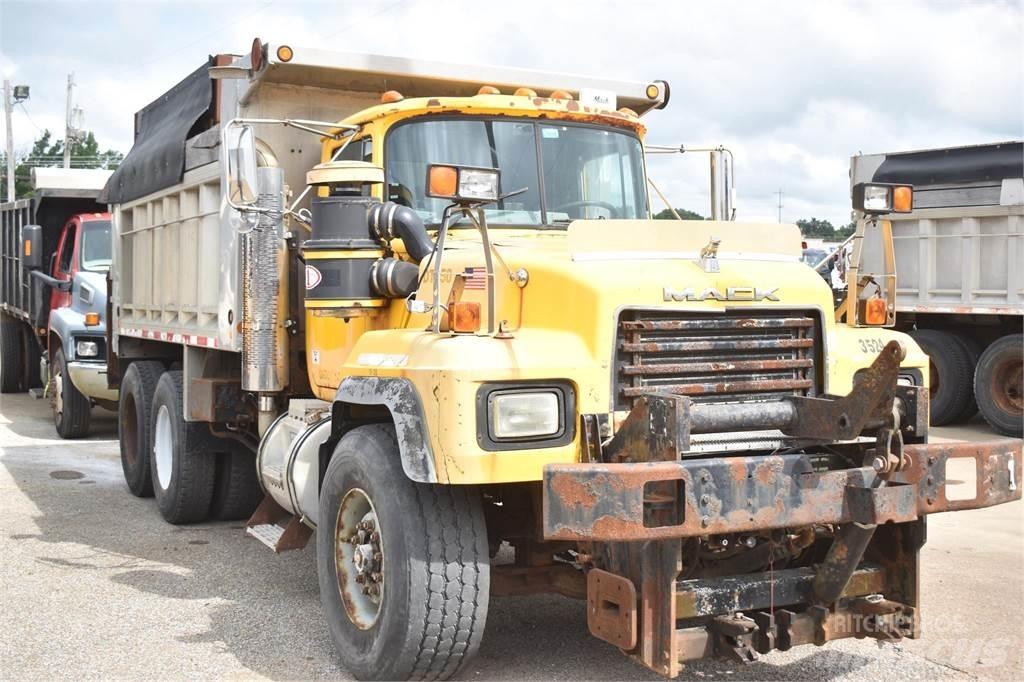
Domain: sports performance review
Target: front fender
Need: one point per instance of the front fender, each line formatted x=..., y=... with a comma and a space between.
x=403, y=402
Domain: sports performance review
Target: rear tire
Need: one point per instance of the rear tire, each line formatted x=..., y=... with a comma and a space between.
x=434, y=570
x=950, y=376
x=32, y=377
x=71, y=409
x=10, y=357
x=999, y=387
x=237, y=490
x=973, y=350
x=182, y=479
x=135, y=424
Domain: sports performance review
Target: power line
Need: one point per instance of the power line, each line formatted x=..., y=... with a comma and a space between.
x=25, y=111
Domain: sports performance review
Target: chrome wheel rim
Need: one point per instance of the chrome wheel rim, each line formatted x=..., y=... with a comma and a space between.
x=58, y=394
x=359, y=558
x=162, y=447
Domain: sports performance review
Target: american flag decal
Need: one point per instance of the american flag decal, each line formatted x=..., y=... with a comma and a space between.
x=475, y=278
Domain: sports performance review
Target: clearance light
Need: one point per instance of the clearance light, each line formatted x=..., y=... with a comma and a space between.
x=488, y=90
x=391, y=96
x=92, y=319
x=525, y=92
x=561, y=94
x=285, y=53
x=464, y=316
x=879, y=198
x=463, y=183
x=28, y=248
x=652, y=91
x=875, y=311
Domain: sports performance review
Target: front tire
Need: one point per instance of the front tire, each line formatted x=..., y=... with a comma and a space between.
x=423, y=613
x=182, y=479
x=71, y=409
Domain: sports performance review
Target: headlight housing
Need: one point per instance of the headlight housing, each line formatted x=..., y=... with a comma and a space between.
x=87, y=349
x=520, y=416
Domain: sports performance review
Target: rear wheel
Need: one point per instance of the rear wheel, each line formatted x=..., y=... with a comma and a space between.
x=403, y=567
x=973, y=350
x=134, y=411
x=182, y=479
x=10, y=357
x=999, y=385
x=32, y=377
x=71, y=409
x=237, y=490
x=949, y=377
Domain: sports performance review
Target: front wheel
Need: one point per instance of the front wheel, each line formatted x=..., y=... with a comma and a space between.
x=404, y=568
x=71, y=409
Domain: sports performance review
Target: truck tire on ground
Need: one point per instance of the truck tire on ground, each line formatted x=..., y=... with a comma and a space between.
x=999, y=385
x=182, y=479
x=236, y=492
x=10, y=357
x=134, y=412
x=71, y=409
x=950, y=376
x=973, y=349
x=32, y=377
x=432, y=581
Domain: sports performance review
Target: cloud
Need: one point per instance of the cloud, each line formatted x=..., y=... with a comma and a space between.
x=794, y=89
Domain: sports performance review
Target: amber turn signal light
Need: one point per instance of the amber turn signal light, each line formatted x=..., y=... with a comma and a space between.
x=92, y=319
x=875, y=310
x=488, y=90
x=902, y=199
x=391, y=96
x=285, y=53
x=443, y=181
x=525, y=92
x=28, y=248
x=464, y=316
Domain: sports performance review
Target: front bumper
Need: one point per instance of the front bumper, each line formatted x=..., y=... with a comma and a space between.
x=607, y=502
x=91, y=379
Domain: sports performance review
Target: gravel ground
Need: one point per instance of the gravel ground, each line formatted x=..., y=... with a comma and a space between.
x=96, y=585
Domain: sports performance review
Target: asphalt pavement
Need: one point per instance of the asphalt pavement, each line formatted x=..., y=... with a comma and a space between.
x=94, y=585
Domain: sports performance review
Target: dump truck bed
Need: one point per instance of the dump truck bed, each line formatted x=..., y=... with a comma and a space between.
x=958, y=250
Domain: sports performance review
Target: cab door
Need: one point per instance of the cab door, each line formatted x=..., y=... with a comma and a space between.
x=64, y=265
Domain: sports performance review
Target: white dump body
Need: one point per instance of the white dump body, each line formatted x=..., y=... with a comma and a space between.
x=960, y=250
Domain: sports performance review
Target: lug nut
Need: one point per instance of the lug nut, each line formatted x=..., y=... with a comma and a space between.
x=378, y=557
x=369, y=525
x=375, y=537
x=360, y=578
x=878, y=464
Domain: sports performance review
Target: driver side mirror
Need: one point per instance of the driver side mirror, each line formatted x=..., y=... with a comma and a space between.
x=32, y=247
x=240, y=149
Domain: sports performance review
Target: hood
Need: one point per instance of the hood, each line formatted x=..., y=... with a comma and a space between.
x=581, y=278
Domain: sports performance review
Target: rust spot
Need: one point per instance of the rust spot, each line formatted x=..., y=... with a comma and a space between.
x=572, y=493
x=610, y=526
x=738, y=469
x=572, y=105
x=434, y=102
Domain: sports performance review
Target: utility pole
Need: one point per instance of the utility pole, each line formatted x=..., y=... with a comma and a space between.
x=8, y=106
x=68, y=130
x=780, y=204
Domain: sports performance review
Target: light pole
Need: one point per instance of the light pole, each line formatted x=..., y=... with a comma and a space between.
x=18, y=94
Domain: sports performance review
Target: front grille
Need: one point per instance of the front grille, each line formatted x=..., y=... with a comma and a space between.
x=738, y=356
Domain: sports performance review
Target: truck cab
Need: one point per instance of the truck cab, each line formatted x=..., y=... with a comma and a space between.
x=76, y=346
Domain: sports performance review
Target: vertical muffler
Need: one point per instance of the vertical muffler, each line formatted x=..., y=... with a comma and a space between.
x=265, y=297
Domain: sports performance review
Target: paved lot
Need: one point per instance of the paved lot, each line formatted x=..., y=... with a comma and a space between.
x=95, y=585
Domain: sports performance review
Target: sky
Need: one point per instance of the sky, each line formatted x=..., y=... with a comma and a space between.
x=792, y=88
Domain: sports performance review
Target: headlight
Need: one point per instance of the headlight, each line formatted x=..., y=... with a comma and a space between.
x=87, y=349
x=478, y=184
x=463, y=184
x=524, y=415
x=880, y=198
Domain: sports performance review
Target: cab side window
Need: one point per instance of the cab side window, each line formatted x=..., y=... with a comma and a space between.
x=68, y=248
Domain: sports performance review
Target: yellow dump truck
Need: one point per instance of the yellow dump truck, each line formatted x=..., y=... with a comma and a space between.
x=421, y=309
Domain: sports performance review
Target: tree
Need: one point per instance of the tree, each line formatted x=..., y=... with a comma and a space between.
x=683, y=213
x=85, y=153
x=823, y=229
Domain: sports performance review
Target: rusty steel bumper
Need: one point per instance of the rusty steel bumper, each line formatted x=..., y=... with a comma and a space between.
x=619, y=501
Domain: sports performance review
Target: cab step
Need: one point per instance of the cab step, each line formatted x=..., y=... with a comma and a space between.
x=277, y=528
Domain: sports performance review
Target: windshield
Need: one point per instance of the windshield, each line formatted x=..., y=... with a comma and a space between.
x=96, y=245
x=588, y=172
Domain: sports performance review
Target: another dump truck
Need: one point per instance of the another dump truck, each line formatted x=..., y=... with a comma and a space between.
x=960, y=290
x=56, y=252
x=422, y=309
